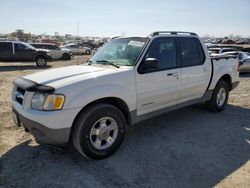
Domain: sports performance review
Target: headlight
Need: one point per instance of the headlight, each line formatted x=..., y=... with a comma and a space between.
x=42, y=101
x=54, y=102
x=37, y=101
x=49, y=53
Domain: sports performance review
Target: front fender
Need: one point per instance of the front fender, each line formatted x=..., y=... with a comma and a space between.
x=90, y=94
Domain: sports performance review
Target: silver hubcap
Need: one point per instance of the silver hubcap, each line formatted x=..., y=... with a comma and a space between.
x=104, y=133
x=41, y=62
x=221, y=97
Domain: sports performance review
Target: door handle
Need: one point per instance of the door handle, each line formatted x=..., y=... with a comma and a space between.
x=204, y=69
x=175, y=75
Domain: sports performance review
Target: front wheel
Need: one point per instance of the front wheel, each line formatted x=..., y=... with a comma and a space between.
x=88, y=52
x=66, y=56
x=99, y=131
x=219, y=98
x=41, y=61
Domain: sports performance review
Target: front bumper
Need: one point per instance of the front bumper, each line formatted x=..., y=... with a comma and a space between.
x=41, y=133
x=49, y=127
x=235, y=84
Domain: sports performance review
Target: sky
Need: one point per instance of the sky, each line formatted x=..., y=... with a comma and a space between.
x=128, y=17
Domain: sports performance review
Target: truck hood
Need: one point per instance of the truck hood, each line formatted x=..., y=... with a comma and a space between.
x=42, y=50
x=62, y=76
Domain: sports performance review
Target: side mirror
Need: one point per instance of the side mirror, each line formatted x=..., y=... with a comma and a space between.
x=151, y=63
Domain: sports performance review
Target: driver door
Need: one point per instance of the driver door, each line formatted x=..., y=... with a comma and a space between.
x=56, y=52
x=160, y=87
x=22, y=52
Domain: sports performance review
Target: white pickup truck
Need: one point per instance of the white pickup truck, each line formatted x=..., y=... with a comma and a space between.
x=128, y=80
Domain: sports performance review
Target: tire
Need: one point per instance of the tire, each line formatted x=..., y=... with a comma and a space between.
x=41, y=61
x=66, y=56
x=94, y=126
x=219, y=98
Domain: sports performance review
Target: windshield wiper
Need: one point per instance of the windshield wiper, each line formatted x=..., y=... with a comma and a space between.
x=105, y=62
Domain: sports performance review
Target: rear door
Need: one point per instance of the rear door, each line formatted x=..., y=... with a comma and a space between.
x=57, y=52
x=159, y=88
x=195, y=71
x=6, y=51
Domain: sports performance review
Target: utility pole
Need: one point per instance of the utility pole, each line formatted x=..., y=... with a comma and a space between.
x=77, y=28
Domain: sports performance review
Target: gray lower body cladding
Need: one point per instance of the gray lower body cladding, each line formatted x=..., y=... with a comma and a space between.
x=43, y=134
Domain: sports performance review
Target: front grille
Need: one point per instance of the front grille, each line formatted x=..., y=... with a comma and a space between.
x=22, y=91
x=19, y=95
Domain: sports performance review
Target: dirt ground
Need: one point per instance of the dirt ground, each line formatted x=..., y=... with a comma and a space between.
x=191, y=147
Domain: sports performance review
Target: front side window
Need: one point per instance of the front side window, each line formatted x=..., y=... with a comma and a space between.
x=40, y=46
x=121, y=51
x=164, y=50
x=56, y=47
x=20, y=47
x=191, y=52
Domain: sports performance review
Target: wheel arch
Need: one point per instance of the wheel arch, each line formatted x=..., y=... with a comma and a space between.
x=40, y=55
x=117, y=102
x=226, y=78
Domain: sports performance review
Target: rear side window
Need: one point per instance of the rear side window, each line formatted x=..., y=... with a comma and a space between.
x=42, y=46
x=37, y=45
x=49, y=47
x=229, y=50
x=5, y=46
x=192, y=53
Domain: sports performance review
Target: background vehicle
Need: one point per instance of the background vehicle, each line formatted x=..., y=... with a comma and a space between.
x=57, y=53
x=217, y=50
x=244, y=60
x=128, y=80
x=77, y=49
x=21, y=51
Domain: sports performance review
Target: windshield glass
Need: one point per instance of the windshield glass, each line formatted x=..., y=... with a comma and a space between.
x=29, y=46
x=122, y=51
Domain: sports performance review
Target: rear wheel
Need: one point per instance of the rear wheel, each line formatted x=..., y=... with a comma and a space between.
x=41, y=61
x=219, y=98
x=66, y=56
x=99, y=131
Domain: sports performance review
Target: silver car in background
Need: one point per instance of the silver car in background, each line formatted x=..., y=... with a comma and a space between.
x=57, y=52
x=78, y=49
x=244, y=61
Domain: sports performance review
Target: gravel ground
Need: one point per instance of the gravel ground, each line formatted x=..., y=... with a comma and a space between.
x=190, y=147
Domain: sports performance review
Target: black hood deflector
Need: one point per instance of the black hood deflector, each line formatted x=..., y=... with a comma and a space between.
x=32, y=86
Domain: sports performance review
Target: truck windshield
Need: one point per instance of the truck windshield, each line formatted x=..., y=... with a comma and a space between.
x=29, y=46
x=121, y=51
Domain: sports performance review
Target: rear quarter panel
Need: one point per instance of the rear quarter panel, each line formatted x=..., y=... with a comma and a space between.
x=224, y=67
